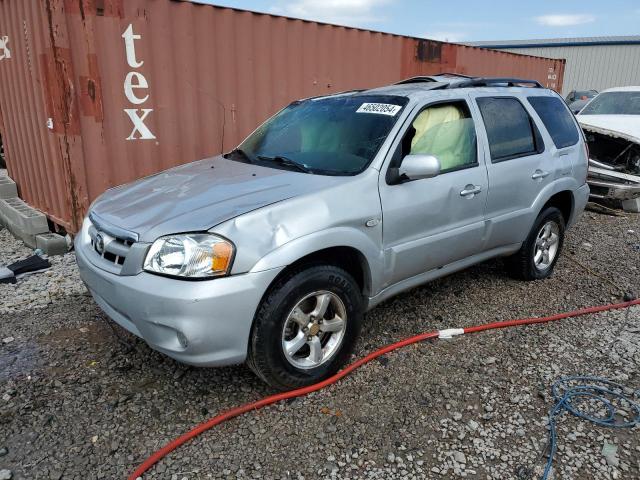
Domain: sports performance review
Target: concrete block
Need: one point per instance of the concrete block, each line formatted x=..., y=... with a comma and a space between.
x=631, y=205
x=23, y=221
x=52, y=244
x=3, y=219
x=27, y=218
x=8, y=187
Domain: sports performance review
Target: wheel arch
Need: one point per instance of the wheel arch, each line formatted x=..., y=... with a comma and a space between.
x=563, y=201
x=344, y=247
x=349, y=258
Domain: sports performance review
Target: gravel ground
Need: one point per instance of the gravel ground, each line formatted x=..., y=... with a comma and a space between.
x=82, y=399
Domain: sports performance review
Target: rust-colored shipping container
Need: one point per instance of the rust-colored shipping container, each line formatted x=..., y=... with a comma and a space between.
x=96, y=93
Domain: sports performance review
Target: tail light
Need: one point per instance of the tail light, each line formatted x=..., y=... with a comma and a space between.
x=586, y=152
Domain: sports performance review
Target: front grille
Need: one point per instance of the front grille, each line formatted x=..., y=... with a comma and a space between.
x=109, y=247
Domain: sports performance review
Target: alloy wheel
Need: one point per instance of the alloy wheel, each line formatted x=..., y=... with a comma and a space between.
x=314, y=330
x=546, y=245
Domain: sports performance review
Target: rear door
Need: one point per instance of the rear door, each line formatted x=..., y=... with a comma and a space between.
x=518, y=165
x=563, y=134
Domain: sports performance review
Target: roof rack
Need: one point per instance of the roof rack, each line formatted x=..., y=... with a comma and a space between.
x=496, y=82
x=418, y=79
x=458, y=80
x=451, y=74
x=432, y=78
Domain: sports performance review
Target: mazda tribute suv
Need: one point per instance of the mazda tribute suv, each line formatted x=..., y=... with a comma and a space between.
x=271, y=253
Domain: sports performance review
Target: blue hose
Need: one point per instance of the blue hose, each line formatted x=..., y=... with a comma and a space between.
x=605, y=392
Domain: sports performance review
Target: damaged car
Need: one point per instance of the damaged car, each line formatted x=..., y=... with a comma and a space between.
x=577, y=99
x=271, y=253
x=611, y=124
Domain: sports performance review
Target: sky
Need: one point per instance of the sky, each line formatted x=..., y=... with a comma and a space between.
x=464, y=20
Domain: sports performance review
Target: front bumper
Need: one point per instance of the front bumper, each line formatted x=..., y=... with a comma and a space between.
x=203, y=323
x=612, y=184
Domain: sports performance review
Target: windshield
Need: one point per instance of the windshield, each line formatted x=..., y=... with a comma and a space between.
x=614, y=103
x=583, y=95
x=337, y=135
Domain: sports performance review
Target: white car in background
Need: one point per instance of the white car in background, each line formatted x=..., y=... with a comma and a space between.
x=577, y=99
x=611, y=124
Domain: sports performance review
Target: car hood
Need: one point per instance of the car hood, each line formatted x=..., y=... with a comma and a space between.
x=624, y=126
x=199, y=195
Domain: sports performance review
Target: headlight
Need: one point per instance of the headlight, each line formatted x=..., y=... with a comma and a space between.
x=195, y=255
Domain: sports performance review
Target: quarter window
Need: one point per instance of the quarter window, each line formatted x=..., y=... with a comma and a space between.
x=557, y=120
x=510, y=130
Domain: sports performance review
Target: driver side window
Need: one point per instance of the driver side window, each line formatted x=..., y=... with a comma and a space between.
x=446, y=131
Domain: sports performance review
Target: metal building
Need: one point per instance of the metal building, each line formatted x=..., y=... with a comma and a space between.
x=592, y=62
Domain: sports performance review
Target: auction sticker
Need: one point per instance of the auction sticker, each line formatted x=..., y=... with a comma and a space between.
x=379, y=108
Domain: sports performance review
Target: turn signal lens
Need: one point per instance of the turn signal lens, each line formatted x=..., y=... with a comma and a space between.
x=222, y=255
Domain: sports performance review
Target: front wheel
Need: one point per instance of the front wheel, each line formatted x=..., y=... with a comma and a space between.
x=539, y=253
x=306, y=327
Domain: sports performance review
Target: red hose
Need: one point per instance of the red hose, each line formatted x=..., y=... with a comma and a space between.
x=218, y=419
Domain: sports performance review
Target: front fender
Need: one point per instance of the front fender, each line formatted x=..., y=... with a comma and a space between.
x=334, y=237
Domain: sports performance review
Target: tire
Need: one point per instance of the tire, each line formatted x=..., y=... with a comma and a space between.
x=304, y=291
x=523, y=265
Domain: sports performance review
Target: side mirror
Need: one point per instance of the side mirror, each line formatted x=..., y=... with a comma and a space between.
x=416, y=167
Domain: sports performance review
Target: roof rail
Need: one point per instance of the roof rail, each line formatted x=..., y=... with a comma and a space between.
x=418, y=79
x=463, y=81
x=451, y=74
x=496, y=82
x=432, y=78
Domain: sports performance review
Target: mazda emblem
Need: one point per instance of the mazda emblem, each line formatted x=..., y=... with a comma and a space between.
x=100, y=243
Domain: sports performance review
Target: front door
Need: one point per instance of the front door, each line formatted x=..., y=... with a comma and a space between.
x=429, y=223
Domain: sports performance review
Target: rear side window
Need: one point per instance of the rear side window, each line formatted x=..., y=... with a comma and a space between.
x=557, y=120
x=510, y=129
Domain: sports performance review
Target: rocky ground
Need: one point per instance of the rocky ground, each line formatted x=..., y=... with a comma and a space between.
x=82, y=399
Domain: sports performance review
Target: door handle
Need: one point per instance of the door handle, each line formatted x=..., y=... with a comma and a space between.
x=539, y=174
x=470, y=191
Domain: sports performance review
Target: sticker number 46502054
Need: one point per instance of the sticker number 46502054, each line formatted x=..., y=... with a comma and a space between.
x=379, y=108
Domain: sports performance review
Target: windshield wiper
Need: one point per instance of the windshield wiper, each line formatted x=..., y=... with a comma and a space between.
x=241, y=153
x=287, y=162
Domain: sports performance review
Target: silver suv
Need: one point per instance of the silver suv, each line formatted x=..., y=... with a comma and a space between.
x=272, y=252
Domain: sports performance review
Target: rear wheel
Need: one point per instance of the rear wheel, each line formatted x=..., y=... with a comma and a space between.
x=539, y=253
x=305, y=327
